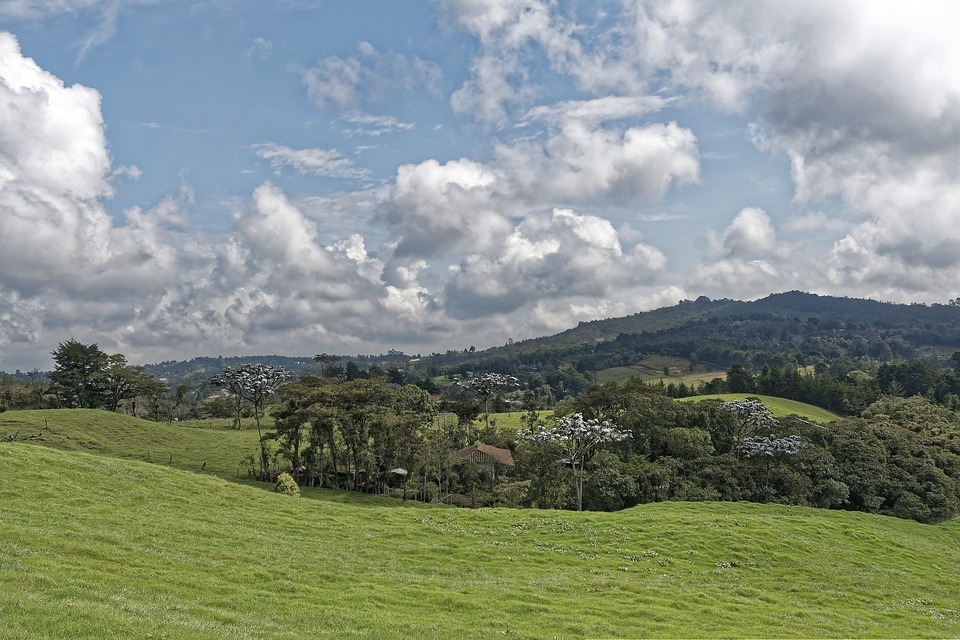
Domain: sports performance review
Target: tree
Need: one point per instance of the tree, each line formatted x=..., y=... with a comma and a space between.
x=753, y=417
x=118, y=382
x=575, y=438
x=325, y=359
x=486, y=386
x=254, y=383
x=75, y=373
x=770, y=449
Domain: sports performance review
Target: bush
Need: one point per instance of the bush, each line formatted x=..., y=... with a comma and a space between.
x=286, y=485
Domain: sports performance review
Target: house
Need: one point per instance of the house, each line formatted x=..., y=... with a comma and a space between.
x=490, y=459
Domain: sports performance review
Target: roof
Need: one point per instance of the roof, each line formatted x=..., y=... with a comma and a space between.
x=486, y=453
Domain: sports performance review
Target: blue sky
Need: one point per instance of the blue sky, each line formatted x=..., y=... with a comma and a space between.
x=204, y=178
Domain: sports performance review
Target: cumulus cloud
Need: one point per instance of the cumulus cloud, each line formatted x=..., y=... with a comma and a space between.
x=511, y=33
x=738, y=278
x=751, y=234
x=581, y=162
x=146, y=286
x=371, y=76
x=319, y=162
x=439, y=207
x=863, y=98
x=564, y=255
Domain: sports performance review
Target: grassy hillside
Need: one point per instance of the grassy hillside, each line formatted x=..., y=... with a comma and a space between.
x=779, y=407
x=213, y=448
x=93, y=547
x=651, y=370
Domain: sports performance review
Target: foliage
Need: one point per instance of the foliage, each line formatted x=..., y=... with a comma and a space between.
x=86, y=377
x=77, y=366
x=286, y=485
x=575, y=438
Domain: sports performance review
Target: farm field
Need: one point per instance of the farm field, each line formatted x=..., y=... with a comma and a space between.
x=651, y=370
x=779, y=407
x=94, y=547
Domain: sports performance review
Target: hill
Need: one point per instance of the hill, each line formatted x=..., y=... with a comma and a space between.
x=93, y=547
x=788, y=328
x=793, y=327
x=779, y=407
x=198, y=447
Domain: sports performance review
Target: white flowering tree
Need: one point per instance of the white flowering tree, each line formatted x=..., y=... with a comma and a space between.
x=752, y=418
x=253, y=383
x=487, y=386
x=575, y=439
x=770, y=450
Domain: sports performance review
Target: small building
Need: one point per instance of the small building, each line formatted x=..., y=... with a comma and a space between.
x=490, y=459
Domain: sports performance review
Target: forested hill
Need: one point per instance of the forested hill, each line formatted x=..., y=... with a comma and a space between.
x=835, y=335
x=832, y=334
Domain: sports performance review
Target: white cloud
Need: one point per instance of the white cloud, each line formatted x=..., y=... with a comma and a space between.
x=318, y=162
x=260, y=48
x=737, y=278
x=586, y=163
x=600, y=109
x=373, y=76
x=751, y=234
x=558, y=257
x=370, y=125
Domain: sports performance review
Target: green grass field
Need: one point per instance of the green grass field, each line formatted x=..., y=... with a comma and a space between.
x=213, y=446
x=111, y=546
x=93, y=547
x=651, y=370
x=779, y=407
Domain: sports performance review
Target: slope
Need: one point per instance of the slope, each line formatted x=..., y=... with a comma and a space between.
x=216, y=451
x=93, y=547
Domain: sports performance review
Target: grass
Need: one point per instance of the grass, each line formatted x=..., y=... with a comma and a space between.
x=212, y=447
x=94, y=547
x=779, y=407
x=510, y=422
x=651, y=369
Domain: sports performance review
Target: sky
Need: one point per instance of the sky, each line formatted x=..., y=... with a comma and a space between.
x=247, y=177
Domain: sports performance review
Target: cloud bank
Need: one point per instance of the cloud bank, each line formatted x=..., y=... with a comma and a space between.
x=555, y=220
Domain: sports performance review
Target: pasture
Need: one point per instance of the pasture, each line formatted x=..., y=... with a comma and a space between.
x=96, y=547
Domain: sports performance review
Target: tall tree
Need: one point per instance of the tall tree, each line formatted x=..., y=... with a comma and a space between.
x=77, y=367
x=254, y=383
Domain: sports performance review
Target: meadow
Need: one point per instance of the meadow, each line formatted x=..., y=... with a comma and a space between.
x=96, y=547
x=651, y=370
x=779, y=407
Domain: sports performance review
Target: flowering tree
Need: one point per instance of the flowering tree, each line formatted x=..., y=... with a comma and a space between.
x=487, y=386
x=575, y=439
x=253, y=383
x=770, y=449
x=753, y=417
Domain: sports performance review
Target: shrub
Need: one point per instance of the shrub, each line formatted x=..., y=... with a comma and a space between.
x=286, y=485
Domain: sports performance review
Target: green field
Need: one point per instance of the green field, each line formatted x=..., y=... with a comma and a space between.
x=651, y=370
x=779, y=407
x=94, y=547
x=211, y=447
x=111, y=546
